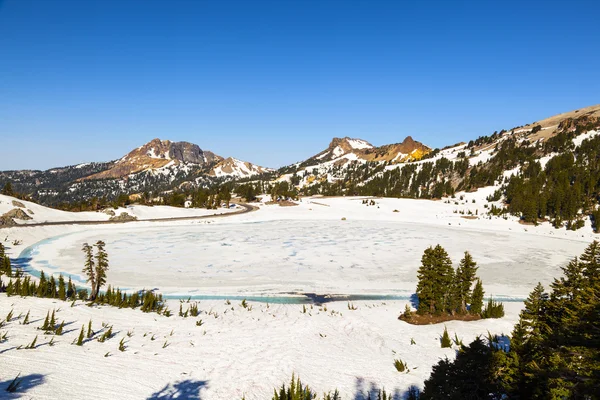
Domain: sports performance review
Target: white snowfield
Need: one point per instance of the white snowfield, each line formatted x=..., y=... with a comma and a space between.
x=41, y=214
x=323, y=245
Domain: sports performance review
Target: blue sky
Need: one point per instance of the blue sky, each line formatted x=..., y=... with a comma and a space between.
x=272, y=82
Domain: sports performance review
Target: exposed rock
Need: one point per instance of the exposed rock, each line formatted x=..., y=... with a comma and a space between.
x=110, y=212
x=7, y=221
x=17, y=213
x=408, y=150
x=30, y=212
x=157, y=154
x=18, y=204
x=124, y=217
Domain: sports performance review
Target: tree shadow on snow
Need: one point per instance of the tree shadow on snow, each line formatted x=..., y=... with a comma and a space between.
x=414, y=300
x=188, y=389
x=25, y=383
x=370, y=391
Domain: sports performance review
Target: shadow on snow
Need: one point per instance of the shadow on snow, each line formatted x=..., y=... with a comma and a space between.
x=25, y=383
x=188, y=389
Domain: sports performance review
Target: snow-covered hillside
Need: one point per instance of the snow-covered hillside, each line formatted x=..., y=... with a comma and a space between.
x=41, y=214
x=236, y=351
x=234, y=168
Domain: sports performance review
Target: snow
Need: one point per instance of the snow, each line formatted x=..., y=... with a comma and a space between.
x=238, y=353
x=239, y=168
x=359, y=144
x=337, y=152
x=44, y=214
x=82, y=165
x=271, y=251
x=588, y=135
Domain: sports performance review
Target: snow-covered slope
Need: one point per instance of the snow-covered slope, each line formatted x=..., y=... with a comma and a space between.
x=41, y=214
x=234, y=168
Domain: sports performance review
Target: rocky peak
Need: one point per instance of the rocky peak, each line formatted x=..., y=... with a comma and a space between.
x=157, y=154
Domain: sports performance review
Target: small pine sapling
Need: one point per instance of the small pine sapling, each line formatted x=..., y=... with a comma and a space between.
x=400, y=365
x=445, y=340
x=90, y=332
x=59, y=330
x=81, y=336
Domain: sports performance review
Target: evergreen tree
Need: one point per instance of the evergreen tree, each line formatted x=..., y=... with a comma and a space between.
x=81, y=337
x=435, y=281
x=477, y=298
x=465, y=276
x=90, y=268
x=101, y=266
x=445, y=341
x=7, y=189
x=62, y=292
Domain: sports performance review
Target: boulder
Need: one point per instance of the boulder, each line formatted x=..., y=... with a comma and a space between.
x=18, y=204
x=17, y=213
x=124, y=217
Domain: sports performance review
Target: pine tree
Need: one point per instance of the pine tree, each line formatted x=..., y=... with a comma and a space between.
x=59, y=330
x=71, y=292
x=90, y=332
x=81, y=336
x=90, y=268
x=101, y=266
x=62, y=292
x=445, y=341
x=477, y=298
x=435, y=281
x=52, y=323
x=41, y=289
x=51, y=291
x=46, y=326
x=465, y=276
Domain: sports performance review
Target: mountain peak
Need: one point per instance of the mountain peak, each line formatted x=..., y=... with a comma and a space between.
x=156, y=154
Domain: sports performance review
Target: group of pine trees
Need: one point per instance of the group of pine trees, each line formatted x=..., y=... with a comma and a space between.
x=554, y=348
x=95, y=267
x=44, y=288
x=443, y=290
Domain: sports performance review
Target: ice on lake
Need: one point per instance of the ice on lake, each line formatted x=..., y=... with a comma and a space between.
x=320, y=256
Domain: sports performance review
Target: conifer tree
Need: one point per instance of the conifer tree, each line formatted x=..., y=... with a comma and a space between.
x=435, y=281
x=46, y=326
x=477, y=298
x=101, y=266
x=71, y=292
x=465, y=276
x=90, y=332
x=90, y=268
x=41, y=289
x=445, y=341
x=62, y=292
x=81, y=336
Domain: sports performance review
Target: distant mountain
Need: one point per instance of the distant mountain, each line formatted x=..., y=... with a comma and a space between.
x=159, y=165
x=345, y=154
x=155, y=155
x=358, y=149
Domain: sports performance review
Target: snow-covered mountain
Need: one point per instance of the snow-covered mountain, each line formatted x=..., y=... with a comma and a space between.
x=343, y=154
x=159, y=165
x=158, y=155
x=234, y=168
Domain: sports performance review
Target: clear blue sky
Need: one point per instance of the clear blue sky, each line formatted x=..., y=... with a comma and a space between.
x=272, y=82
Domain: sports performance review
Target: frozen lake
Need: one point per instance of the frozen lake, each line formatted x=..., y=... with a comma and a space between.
x=319, y=256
